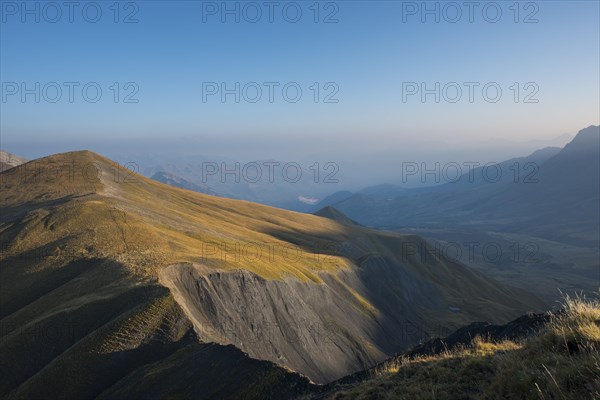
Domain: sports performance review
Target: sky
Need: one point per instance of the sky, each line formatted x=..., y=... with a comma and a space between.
x=361, y=68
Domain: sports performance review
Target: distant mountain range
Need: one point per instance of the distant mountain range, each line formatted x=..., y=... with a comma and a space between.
x=548, y=180
x=548, y=198
x=290, y=185
x=176, y=181
x=468, y=181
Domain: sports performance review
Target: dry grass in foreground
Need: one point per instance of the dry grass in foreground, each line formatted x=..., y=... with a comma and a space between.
x=562, y=361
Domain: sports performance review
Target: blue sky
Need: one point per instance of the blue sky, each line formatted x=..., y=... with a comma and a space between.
x=368, y=55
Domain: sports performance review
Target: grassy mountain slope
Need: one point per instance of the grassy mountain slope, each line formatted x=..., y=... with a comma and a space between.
x=332, y=213
x=559, y=360
x=84, y=243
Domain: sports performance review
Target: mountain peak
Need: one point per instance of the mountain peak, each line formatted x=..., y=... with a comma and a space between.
x=58, y=176
x=586, y=142
x=587, y=136
x=336, y=215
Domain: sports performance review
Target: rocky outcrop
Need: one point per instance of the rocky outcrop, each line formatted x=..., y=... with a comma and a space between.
x=322, y=330
x=8, y=160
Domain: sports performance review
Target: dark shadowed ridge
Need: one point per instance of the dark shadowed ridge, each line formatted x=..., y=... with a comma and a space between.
x=331, y=199
x=336, y=215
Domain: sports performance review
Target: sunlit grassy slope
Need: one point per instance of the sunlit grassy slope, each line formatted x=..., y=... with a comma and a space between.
x=146, y=225
x=80, y=205
x=84, y=242
x=561, y=361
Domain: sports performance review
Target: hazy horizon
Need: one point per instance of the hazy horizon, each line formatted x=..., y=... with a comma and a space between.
x=299, y=200
x=355, y=172
x=170, y=60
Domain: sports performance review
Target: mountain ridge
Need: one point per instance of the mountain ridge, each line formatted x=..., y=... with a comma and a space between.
x=90, y=242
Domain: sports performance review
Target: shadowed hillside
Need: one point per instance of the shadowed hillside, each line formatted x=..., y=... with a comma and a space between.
x=552, y=356
x=551, y=194
x=540, y=211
